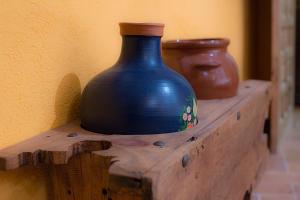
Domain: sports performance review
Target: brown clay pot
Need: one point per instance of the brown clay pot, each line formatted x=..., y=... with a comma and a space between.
x=206, y=64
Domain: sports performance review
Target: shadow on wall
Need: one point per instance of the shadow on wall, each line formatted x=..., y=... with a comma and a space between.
x=67, y=100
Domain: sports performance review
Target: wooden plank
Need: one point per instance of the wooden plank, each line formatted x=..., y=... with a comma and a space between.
x=58, y=145
x=84, y=177
x=61, y=186
x=275, y=77
x=283, y=66
x=214, y=157
x=218, y=158
x=273, y=57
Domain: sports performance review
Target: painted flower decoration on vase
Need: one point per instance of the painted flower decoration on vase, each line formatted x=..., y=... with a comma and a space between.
x=184, y=116
x=188, y=119
x=188, y=109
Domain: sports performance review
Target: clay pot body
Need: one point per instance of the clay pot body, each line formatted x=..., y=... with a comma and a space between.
x=139, y=94
x=206, y=64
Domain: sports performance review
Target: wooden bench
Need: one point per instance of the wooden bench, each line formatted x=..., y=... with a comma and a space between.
x=216, y=160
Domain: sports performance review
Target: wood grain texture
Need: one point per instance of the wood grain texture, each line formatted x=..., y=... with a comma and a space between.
x=231, y=149
x=283, y=66
x=273, y=50
x=218, y=159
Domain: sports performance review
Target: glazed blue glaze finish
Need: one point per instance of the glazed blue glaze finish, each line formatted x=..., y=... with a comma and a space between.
x=139, y=94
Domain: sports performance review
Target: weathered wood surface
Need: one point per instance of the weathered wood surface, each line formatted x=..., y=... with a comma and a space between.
x=217, y=159
x=283, y=66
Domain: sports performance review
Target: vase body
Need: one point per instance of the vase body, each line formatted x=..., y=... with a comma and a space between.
x=206, y=64
x=139, y=94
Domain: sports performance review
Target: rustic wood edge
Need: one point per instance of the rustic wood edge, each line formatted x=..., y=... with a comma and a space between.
x=40, y=156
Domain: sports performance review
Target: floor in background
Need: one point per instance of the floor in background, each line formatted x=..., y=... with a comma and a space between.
x=281, y=180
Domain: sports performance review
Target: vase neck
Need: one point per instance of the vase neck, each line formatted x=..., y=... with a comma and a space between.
x=143, y=50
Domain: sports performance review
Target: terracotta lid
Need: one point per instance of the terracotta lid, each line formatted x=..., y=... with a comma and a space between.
x=196, y=43
x=146, y=29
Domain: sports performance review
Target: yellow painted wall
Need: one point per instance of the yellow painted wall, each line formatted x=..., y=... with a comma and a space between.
x=49, y=49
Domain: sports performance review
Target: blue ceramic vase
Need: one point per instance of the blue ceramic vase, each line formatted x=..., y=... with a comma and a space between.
x=139, y=94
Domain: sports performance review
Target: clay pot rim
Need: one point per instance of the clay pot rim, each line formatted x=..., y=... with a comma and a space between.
x=196, y=43
x=143, y=29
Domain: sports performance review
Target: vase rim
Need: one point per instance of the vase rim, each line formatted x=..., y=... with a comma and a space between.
x=196, y=43
x=143, y=29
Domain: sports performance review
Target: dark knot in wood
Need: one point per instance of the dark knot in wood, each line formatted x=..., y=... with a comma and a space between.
x=72, y=135
x=192, y=139
x=185, y=160
x=160, y=144
x=238, y=115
